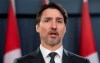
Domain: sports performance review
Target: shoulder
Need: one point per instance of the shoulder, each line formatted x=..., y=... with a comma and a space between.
x=26, y=58
x=76, y=58
x=73, y=54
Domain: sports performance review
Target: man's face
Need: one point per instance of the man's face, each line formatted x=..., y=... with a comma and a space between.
x=51, y=27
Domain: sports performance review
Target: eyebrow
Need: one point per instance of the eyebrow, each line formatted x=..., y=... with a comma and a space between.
x=51, y=17
x=48, y=18
x=59, y=18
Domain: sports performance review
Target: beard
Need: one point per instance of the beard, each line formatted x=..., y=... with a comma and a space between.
x=52, y=42
x=49, y=40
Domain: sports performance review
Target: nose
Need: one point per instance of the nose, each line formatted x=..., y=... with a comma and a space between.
x=54, y=25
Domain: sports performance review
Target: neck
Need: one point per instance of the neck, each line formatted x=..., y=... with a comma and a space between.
x=51, y=48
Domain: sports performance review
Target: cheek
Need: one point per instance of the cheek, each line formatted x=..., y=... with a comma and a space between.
x=62, y=31
x=43, y=30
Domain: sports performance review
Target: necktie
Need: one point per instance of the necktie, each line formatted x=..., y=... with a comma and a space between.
x=52, y=55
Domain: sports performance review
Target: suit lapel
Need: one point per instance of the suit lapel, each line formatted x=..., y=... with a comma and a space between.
x=66, y=58
x=38, y=58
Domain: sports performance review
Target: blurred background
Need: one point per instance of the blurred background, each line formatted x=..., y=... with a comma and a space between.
x=26, y=18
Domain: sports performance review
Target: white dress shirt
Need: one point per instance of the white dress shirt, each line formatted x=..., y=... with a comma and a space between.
x=58, y=57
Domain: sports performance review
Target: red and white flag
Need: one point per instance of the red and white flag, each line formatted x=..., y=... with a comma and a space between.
x=45, y=2
x=87, y=41
x=12, y=43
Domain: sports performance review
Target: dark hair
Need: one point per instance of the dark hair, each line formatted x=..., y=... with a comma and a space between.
x=53, y=6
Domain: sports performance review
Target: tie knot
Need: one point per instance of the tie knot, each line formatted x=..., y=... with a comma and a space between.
x=52, y=54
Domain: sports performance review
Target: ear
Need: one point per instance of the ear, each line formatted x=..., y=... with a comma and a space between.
x=37, y=28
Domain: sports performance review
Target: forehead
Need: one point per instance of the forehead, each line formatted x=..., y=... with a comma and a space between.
x=52, y=12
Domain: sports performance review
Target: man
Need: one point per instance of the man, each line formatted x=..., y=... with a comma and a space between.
x=51, y=26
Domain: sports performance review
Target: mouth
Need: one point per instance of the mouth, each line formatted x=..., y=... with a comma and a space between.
x=53, y=34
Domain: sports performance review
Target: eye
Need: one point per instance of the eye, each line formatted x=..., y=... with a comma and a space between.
x=59, y=21
x=46, y=20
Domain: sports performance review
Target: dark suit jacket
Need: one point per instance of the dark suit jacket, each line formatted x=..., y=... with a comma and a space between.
x=36, y=57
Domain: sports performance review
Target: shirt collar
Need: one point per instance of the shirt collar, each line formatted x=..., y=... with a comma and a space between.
x=59, y=51
x=45, y=51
